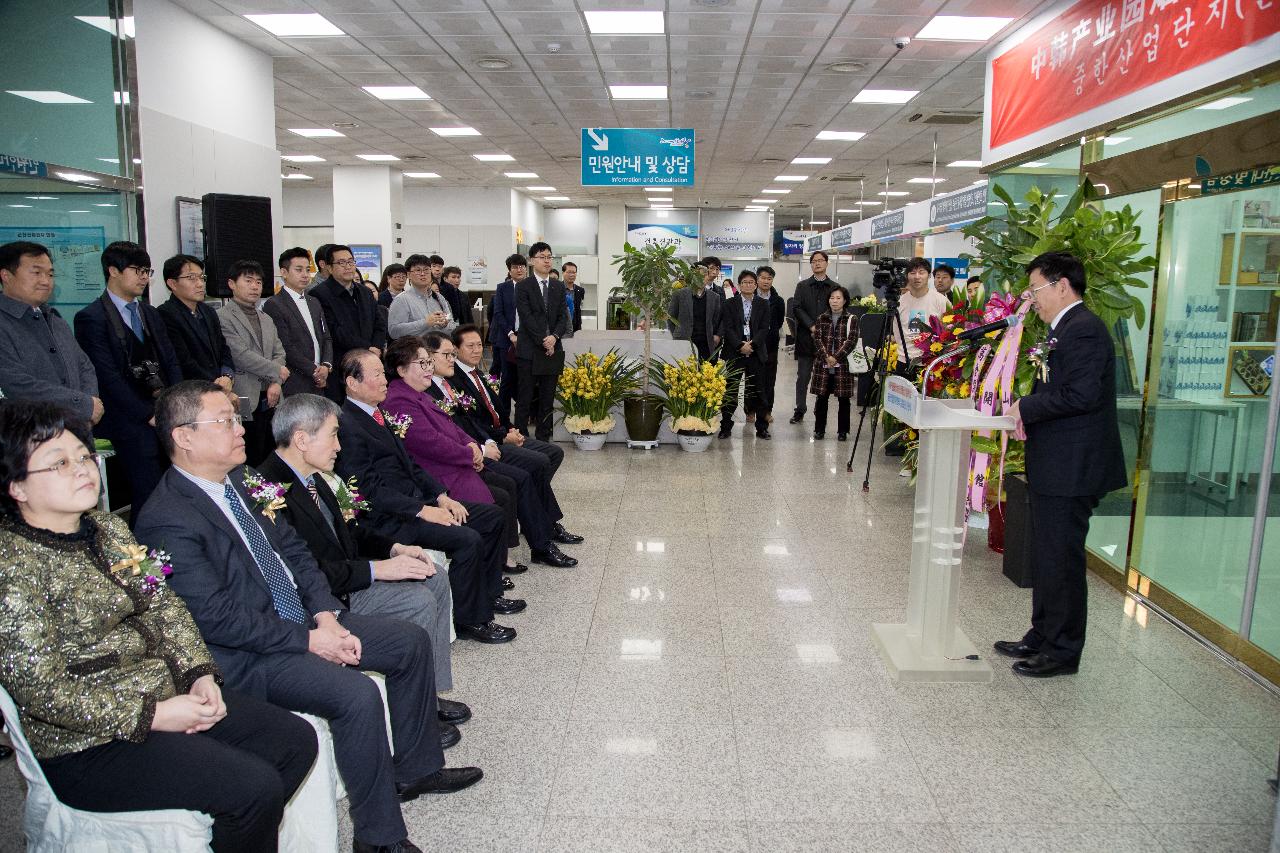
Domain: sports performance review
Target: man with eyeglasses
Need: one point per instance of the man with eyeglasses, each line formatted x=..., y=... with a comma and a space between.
x=276, y=631
x=420, y=307
x=544, y=320
x=39, y=357
x=193, y=326
x=128, y=343
x=350, y=310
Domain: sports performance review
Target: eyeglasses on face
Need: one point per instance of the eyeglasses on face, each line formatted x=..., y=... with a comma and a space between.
x=193, y=277
x=424, y=363
x=349, y=262
x=545, y=256
x=68, y=467
x=223, y=423
x=446, y=354
x=145, y=272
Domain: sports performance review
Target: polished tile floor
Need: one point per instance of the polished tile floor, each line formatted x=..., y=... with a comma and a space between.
x=705, y=681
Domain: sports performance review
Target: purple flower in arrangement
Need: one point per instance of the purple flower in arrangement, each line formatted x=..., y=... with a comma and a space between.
x=152, y=567
x=466, y=402
x=267, y=496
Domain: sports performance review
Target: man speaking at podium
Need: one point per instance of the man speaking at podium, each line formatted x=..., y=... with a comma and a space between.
x=1073, y=457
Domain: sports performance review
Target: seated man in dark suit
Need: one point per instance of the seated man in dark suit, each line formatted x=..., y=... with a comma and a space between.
x=409, y=505
x=193, y=326
x=129, y=346
x=369, y=573
x=498, y=437
x=264, y=609
x=531, y=507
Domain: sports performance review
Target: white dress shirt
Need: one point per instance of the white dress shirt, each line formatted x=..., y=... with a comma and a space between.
x=300, y=302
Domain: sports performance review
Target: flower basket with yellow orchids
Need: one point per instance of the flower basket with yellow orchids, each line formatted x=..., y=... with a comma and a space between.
x=592, y=387
x=693, y=391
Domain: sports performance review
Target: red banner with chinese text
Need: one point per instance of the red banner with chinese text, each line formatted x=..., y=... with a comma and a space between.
x=1100, y=50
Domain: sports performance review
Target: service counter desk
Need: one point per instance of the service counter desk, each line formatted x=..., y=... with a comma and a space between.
x=631, y=345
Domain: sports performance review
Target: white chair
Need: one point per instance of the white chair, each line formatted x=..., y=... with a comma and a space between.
x=53, y=827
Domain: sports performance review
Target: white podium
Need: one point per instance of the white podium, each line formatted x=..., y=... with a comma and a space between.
x=930, y=646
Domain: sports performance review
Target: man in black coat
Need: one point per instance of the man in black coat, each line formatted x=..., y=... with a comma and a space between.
x=368, y=572
x=300, y=325
x=544, y=320
x=744, y=325
x=772, y=340
x=1073, y=458
x=409, y=505
x=350, y=310
x=128, y=343
x=810, y=302
x=572, y=289
x=276, y=631
x=194, y=328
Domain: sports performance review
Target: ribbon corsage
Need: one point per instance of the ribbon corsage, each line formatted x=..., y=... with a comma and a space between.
x=1039, y=356
x=399, y=423
x=153, y=566
x=267, y=496
x=350, y=501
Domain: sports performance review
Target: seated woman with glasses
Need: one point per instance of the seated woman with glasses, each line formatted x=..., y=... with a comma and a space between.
x=116, y=692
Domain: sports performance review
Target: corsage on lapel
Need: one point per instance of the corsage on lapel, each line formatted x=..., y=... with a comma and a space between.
x=1039, y=356
x=153, y=566
x=267, y=496
x=399, y=423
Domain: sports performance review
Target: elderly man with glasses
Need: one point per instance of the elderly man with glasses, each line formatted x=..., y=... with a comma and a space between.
x=128, y=343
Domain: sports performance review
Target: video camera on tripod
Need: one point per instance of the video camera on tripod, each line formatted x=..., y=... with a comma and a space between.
x=890, y=275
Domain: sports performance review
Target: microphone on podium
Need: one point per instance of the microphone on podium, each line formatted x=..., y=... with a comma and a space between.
x=979, y=331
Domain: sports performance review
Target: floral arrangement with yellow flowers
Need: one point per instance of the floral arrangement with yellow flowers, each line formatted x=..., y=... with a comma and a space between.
x=694, y=391
x=592, y=387
x=873, y=304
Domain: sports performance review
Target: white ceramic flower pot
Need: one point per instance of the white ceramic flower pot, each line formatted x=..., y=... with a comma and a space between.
x=589, y=441
x=695, y=443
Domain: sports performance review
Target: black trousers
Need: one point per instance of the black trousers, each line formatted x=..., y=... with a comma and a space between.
x=143, y=463
x=477, y=552
x=804, y=375
x=503, y=490
x=507, y=382
x=540, y=460
x=258, y=441
x=745, y=388
x=241, y=772
x=528, y=505
x=768, y=381
x=535, y=399
x=553, y=452
x=1059, y=592
x=820, y=413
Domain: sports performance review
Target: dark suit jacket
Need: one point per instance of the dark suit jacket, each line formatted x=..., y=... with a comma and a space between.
x=1073, y=437
x=579, y=293
x=504, y=315
x=220, y=581
x=539, y=319
x=680, y=309
x=731, y=322
x=344, y=550
x=810, y=304
x=198, y=341
x=457, y=302
x=777, y=319
x=394, y=485
x=126, y=409
x=353, y=319
x=461, y=418
x=480, y=416
x=299, y=353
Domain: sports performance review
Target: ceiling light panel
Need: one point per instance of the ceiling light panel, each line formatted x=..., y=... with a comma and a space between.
x=811, y=161
x=772, y=191
x=964, y=164
x=657, y=189
x=421, y=175
x=308, y=25
x=962, y=28
x=397, y=93
x=884, y=96
x=521, y=174
x=925, y=180
x=638, y=93
x=555, y=198
x=455, y=131
x=46, y=96
x=603, y=23
x=541, y=189
x=494, y=158
x=792, y=178
x=315, y=132
x=378, y=158
x=301, y=158
x=840, y=135
x=893, y=193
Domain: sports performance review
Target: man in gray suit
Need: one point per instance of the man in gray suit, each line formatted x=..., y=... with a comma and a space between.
x=299, y=319
x=39, y=356
x=258, y=356
x=695, y=310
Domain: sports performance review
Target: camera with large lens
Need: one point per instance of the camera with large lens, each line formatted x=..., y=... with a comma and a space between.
x=890, y=275
x=147, y=375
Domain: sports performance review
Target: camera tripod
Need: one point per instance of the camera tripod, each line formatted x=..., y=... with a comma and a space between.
x=879, y=369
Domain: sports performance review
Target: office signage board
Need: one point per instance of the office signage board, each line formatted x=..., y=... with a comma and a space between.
x=16, y=165
x=735, y=233
x=368, y=260
x=793, y=242
x=956, y=207
x=888, y=225
x=842, y=237
x=683, y=236
x=814, y=243
x=76, y=252
x=637, y=156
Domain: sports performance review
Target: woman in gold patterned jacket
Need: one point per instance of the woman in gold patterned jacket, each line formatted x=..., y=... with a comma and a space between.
x=116, y=691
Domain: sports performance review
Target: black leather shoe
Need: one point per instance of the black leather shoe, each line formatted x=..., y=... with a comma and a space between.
x=1014, y=649
x=797, y=418
x=405, y=846
x=725, y=433
x=488, y=632
x=449, y=735
x=1043, y=666
x=564, y=537
x=444, y=781
x=507, y=583
x=818, y=436
x=517, y=569
x=452, y=712
x=764, y=433
x=553, y=556
x=508, y=605
x=842, y=436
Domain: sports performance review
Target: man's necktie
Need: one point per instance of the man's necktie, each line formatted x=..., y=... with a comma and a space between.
x=315, y=496
x=285, y=598
x=378, y=418
x=135, y=319
x=543, y=285
x=493, y=413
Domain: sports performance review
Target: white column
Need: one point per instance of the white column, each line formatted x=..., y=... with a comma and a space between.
x=612, y=236
x=368, y=208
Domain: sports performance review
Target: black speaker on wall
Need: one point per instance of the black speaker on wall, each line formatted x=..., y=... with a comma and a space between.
x=236, y=228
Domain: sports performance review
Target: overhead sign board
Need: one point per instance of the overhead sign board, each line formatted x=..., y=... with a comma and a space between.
x=631, y=156
x=842, y=237
x=681, y=235
x=735, y=233
x=814, y=243
x=958, y=207
x=888, y=225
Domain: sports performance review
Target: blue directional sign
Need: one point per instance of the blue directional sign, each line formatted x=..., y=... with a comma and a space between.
x=631, y=156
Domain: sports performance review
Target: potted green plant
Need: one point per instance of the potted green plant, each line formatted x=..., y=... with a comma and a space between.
x=588, y=392
x=648, y=275
x=693, y=391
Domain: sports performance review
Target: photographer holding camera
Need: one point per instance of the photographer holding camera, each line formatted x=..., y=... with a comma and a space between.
x=129, y=346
